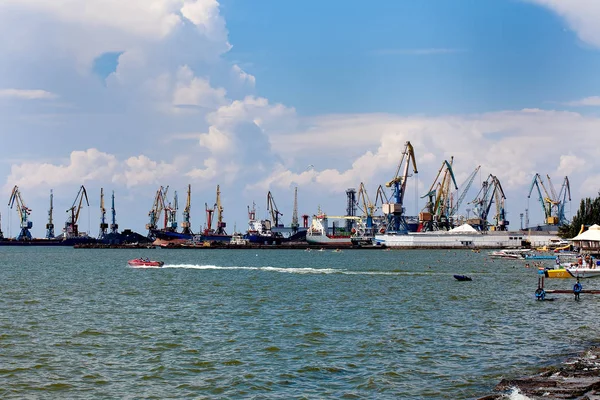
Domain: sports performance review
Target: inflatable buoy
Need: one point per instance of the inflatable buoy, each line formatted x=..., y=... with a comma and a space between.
x=540, y=294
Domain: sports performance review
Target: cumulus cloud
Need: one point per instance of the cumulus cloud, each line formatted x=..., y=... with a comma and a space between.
x=243, y=76
x=193, y=91
x=581, y=15
x=27, y=94
x=587, y=101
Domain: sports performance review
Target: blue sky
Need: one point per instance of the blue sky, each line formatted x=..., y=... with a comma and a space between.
x=247, y=95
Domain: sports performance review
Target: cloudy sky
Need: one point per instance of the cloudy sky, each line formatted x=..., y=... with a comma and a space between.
x=269, y=95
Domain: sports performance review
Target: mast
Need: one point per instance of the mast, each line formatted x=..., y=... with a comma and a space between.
x=50, y=224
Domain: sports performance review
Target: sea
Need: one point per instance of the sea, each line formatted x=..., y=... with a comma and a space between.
x=278, y=324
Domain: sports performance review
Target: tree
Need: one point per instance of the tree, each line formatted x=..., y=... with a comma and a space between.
x=588, y=214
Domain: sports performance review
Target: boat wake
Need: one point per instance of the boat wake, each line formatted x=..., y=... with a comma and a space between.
x=284, y=270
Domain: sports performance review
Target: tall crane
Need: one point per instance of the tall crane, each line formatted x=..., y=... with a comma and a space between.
x=71, y=229
x=156, y=210
x=462, y=191
x=273, y=210
x=559, y=200
x=295, y=224
x=114, y=227
x=23, y=211
x=219, y=208
x=209, y=218
x=1, y=234
x=171, y=214
x=491, y=192
x=186, y=223
x=436, y=214
x=546, y=201
x=365, y=205
x=50, y=224
x=103, y=224
x=396, y=221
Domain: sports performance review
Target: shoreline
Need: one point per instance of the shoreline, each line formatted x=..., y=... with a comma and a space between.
x=576, y=377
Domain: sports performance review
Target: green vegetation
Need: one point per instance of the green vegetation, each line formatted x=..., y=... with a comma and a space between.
x=588, y=214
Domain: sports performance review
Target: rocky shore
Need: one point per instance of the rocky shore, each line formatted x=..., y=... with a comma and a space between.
x=576, y=378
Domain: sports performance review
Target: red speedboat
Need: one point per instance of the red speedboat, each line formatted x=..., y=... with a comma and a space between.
x=145, y=263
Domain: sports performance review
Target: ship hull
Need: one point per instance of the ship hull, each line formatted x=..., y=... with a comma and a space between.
x=446, y=240
x=325, y=240
x=47, y=242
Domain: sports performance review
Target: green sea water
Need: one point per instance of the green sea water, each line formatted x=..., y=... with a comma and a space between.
x=277, y=324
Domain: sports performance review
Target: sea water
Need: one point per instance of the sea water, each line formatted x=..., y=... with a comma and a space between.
x=277, y=324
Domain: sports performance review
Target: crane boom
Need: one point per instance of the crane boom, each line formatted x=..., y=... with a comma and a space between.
x=396, y=221
x=71, y=228
x=466, y=186
x=114, y=227
x=23, y=212
x=273, y=210
x=50, y=224
x=219, y=208
x=186, y=224
x=103, y=224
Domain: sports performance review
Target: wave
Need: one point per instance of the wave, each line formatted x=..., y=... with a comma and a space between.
x=286, y=270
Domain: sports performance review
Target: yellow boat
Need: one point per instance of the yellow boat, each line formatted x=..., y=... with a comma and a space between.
x=557, y=273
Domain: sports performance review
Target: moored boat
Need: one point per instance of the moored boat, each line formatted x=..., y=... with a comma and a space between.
x=145, y=263
x=581, y=272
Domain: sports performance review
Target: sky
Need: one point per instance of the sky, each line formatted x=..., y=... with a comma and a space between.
x=272, y=95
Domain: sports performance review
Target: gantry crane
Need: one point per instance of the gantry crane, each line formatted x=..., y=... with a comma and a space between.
x=209, y=217
x=491, y=192
x=272, y=210
x=396, y=220
x=186, y=223
x=366, y=206
x=436, y=214
x=157, y=208
x=103, y=224
x=50, y=224
x=71, y=229
x=295, y=224
x=219, y=209
x=559, y=200
x=462, y=192
x=546, y=201
x=24, y=212
x=114, y=227
x=171, y=214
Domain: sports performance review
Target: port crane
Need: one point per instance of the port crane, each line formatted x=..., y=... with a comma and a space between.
x=436, y=214
x=23, y=211
x=272, y=209
x=186, y=224
x=491, y=192
x=295, y=224
x=219, y=209
x=396, y=220
x=103, y=224
x=546, y=200
x=71, y=229
x=560, y=199
x=156, y=210
x=463, y=190
x=1, y=234
x=171, y=214
x=114, y=227
x=50, y=224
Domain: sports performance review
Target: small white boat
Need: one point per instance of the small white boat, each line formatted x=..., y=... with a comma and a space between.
x=513, y=253
x=583, y=272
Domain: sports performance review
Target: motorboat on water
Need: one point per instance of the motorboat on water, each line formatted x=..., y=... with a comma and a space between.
x=583, y=272
x=512, y=253
x=145, y=263
x=462, y=278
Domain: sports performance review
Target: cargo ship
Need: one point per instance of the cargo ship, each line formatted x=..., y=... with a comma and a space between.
x=319, y=232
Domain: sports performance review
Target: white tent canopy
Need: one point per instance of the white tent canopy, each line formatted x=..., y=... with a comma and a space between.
x=592, y=234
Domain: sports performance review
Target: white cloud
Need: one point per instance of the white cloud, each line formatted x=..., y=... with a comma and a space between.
x=243, y=76
x=194, y=91
x=587, y=101
x=581, y=15
x=27, y=94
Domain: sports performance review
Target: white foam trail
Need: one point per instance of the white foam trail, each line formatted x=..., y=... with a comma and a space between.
x=285, y=270
x=516, y=395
